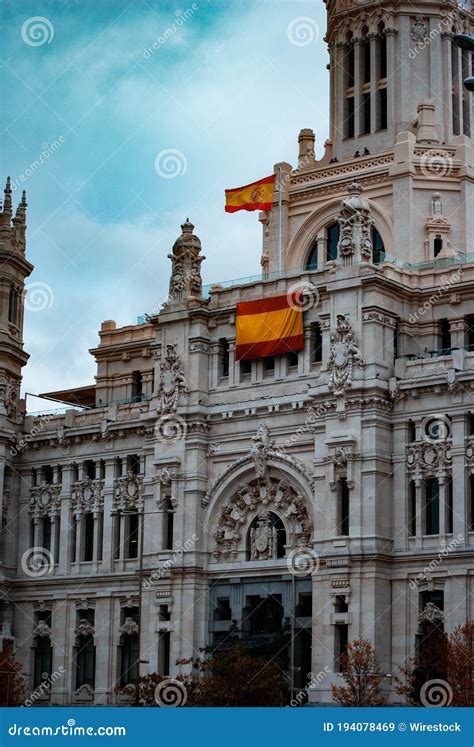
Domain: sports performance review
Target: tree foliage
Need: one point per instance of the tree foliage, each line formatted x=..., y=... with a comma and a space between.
x=12, y=684
x=362, y=675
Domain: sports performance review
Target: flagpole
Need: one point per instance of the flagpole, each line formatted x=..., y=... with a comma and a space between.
x=280, y=249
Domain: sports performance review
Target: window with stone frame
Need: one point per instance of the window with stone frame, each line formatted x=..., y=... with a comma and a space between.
x=431, y=506
x=168, y=524
x=223, y=357
x=85, y=649
x=342, y=507
x=341, y=639
x=129, y=645
x=43, y=651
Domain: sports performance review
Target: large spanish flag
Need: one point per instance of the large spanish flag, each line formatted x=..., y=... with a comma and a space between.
x=270, y=326
x=255, y=196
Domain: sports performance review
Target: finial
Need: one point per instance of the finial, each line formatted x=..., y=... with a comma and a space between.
x=20, y=214
x=354, y=189
x=7, y=205
x=187, y=226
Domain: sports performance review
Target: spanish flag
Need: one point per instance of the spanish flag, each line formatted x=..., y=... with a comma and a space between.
x=270, y=326
x=255, y=196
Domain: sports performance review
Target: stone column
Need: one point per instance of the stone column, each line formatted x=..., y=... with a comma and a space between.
x=443, y=492
x=65, y=526
x=108, y=522
x=53, y=539
x=400, y=482
x=373, y=36
x=357, y=85
x=458, y=328
x=419, y=511
x=459, y=478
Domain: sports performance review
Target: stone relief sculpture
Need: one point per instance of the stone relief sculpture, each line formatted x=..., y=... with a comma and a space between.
x=263, y=538
x=418, y=30
x=343, y=356
x=355, y=239
x=185, y=281
x=172, y=381
x=261, y=449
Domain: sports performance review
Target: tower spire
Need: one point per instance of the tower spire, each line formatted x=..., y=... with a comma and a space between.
x=7, y=204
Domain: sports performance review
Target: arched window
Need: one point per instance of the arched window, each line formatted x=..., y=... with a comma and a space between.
x=332, y=240
x=378, y=253
x=266, y=537
x=312, y=261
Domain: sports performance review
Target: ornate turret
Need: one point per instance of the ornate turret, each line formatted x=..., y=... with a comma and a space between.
x=185, y=281
x=14, y=269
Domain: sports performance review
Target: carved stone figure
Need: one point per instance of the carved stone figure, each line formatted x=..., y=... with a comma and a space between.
x=418, y=30
x=85, y=628
x=171, y=382
x=355, y=238
x=431, y=614
x=260, y=449
x=9, y=392
x=130, y=627
x=344, y=354
x=263, y=538
x=185, y=279
x=436, y=205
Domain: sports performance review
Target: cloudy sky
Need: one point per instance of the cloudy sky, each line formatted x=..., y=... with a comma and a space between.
x=146, y=110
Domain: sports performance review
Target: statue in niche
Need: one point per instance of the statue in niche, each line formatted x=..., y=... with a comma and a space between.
x=436, y=205
x=172, y=381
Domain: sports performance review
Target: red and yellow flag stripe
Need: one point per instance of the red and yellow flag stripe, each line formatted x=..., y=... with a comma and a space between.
x=269, y=326
x=255, y=196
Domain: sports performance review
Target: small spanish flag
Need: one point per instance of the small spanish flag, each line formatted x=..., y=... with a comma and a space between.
x=270, y=326
x=255, y=196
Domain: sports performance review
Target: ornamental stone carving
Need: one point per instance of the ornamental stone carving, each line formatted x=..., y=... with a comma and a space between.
x=128, y=493
x=9, y=393
x=343, y=356
x=87, y=496
x=42, y=630
x=431, y=614
x=355, y=223
x=263, y=538
x=261, y=495
x=84, y=628
x=185, y=282
x=427, y=459
x=261, y=449
x=44, y=500
x=418, y=30
x=171, y=382
x=130, y=627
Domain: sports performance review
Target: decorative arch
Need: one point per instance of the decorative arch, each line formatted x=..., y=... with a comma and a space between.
x=260, y=498
x=303, y=242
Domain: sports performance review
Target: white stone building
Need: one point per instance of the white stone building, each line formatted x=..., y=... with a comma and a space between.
x=172, y=507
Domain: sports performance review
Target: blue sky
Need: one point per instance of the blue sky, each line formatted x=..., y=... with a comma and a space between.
x=225, y=89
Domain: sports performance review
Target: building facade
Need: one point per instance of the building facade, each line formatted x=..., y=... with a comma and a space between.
x=188, y=500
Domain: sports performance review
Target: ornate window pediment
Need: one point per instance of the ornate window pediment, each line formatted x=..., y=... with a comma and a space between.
x=87, y=496
x=429, y=459
x=128, y=493
x=44, y=500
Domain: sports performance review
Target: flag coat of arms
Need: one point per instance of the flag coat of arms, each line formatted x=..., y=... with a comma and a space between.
x=269, y=326
x=255, y=196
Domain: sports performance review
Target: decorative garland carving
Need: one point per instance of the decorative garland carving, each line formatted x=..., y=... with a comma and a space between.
x=130, y=627
x=84, y=628
x=429, y=459
x=45, y=501
x=87, y=496
x=128, y=493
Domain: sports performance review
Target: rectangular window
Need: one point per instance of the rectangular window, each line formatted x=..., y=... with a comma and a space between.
x=137, y=386
x=132, y=539
x=471, y=502
x=47, y=474
x=412, y=509
x=245, y=368
x=341, y=636
x=343, y=507
x=365, y=113
x=43, y=660
x=431, y=506
x=316, y=343
x=383, y=56
x=350, y=67
x=88, y=529
x=89, y=469
x=47, y=533
x=12, y=306
x=85, y=662
x=444, y=336
x=366, y=61
x=449, y=506
x=382, y=109
x=164, y=654
x=129, y=659
x=292, y=360
x=350, y=117
x=224, y=358
x=269, y=366
x=469, y=334
x=133, y=464
x=168, y=525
